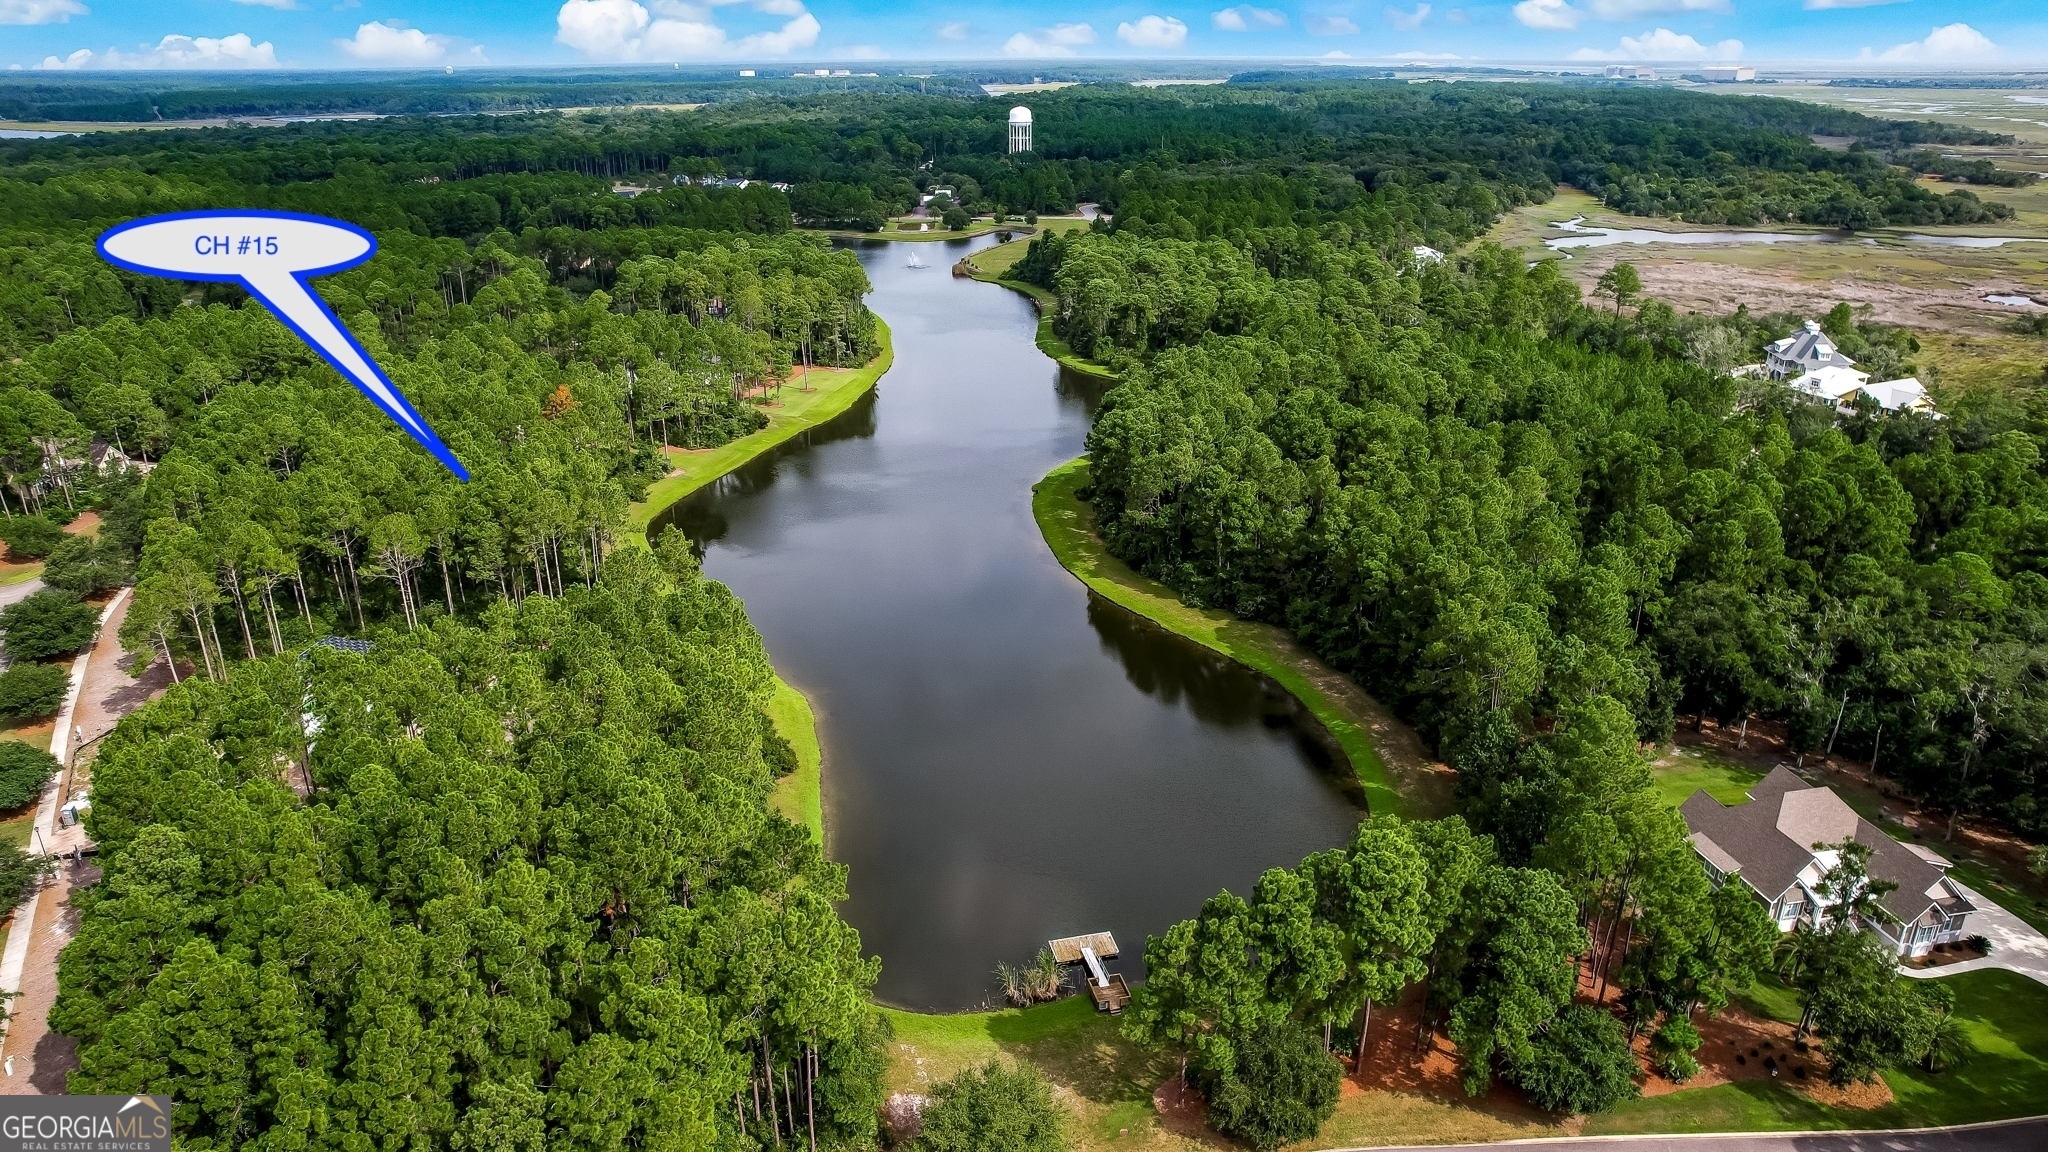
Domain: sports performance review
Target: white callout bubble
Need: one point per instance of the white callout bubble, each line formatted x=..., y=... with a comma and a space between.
x=274, y=256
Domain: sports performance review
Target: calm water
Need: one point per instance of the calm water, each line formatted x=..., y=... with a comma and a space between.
x=1008, y=758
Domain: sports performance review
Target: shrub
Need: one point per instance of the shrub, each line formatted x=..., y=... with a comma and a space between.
x=1672, y=1048
x=29, y=537
x=28, y=691
x=85, y=566
x=994, y=1109
x=19, y=872
x=1281, y=1088
x=1582, y=1063
x=956, y=219
x=50, y=623
x=23, y=772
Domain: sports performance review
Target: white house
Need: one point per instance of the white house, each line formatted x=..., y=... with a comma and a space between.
x=1835, y=383
x=1815, y=368
x=1771, y=845
x=1908, y=395
x=1802, y=352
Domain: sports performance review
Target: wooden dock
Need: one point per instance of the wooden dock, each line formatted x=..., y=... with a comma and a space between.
x=1112, y=999
x=1108, y=989
x=1067, y=949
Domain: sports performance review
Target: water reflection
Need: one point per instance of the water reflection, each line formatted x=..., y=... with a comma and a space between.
x=1006, y=761
x=1215, y=688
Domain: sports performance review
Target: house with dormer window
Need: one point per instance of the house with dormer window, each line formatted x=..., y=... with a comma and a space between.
x=1804, y=351
x=1772, y=845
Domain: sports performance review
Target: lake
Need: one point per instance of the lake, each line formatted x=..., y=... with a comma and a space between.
x=1008, y=757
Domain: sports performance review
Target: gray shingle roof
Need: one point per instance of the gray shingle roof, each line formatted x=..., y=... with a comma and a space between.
x=1809, y=345
x=1772, y=838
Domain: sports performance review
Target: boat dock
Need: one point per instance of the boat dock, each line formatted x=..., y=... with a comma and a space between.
x=1106, y=988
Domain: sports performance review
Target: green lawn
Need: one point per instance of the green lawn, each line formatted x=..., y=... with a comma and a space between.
x=16, y=573
x=2005, y=1017
x=938, y=232
x=37, y=735
x=16, y=829
x=1771, y=998
x=833, y=392
x=1691, y=769
x=1351, y=717
x=799, y=795
x=1078, y=1048
x=993, y=262
x=989, y=266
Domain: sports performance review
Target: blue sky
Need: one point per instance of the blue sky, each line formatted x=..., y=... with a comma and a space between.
x=1873, y=34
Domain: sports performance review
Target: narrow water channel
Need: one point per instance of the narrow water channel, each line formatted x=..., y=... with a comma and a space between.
x=1008, y=757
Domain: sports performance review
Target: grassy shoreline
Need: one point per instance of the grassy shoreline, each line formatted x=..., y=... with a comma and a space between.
x=799, y=412
x=988, y=266
x=799, y=795
x=1410, y=786
x=981, y=228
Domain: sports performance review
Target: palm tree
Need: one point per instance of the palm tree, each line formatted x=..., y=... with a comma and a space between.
x=1947, y=1044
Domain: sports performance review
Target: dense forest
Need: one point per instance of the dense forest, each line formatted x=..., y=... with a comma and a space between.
x=521, y=845
x=508, y=878
x=492, y=884
x=1548, y=530
x=1489, y=503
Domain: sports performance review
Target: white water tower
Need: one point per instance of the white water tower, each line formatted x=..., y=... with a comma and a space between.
x=1020, y=129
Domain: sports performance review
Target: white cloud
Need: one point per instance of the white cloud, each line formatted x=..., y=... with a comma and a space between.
x=1631, y=9
x=1817, y=5
x=1245, y=17
x=626, y=30
x=863, y=52
x=1550, y=15
x=955, y=30
x=283, y=5
x=1427, y=56
x=1158, y=33
x=1408, y=21
x=392, y=43
x=798, y=34
x=207, y=52
x=1457, y=16
x=1336, y=54
x=1948, y=44
x=1557, y=15
x=1332, y=26
x=1058, y=40
x=40, y=11
x=1663, y=44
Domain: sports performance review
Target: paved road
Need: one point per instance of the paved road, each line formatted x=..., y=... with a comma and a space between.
x=2004, y=1136
x=2015, y=946
x=10, y=593
x=14, y=593
x=32, y=1058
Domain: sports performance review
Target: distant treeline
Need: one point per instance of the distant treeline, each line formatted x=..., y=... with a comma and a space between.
x=435, y=93
x=2033, y=81
x=1309, y=147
